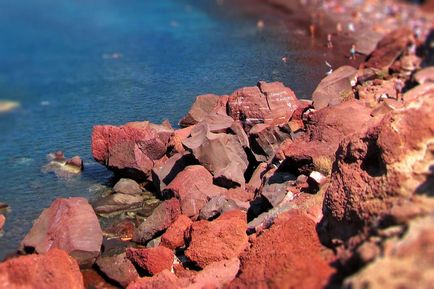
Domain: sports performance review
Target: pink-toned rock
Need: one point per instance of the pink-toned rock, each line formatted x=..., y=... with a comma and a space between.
x=118, y=268
x=390, y=48
x=264, y=103
x=52, y=270
x=178, y=137
x=216, y=275
x=425, y=75
x=194, y=187
x=265, y=139
x=162, y=217
x=382, y=167
x=372, y=92
x=70, y=225
x=152, y=260
x=202, y=107
x=173, y=238
x=255, y=181
x=222, y=239
x=2, y=221
x=220, y=153
x=335, y=88
x=76, y=162
x=132, y=148
x=163, y=280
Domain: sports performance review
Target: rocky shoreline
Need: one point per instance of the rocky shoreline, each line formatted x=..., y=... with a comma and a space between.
x=260, y=189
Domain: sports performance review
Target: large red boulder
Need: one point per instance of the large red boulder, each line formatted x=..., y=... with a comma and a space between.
x=152, y=260
x=160, y=219
x=173, y=238
x=130, y=149
x=382, y=167
x=390, y=48
x=202, y=107
x=70, y=225
x=288, y=255
x=222, y=239
x=193, y=187
x=220, y=153
x=335, y=88
x=163, y=280
x=52, y=270
x=264, y=103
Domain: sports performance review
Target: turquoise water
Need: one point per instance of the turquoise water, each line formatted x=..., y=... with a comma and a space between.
x=74, y=64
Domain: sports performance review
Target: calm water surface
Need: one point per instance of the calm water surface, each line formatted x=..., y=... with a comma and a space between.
x=75, y=63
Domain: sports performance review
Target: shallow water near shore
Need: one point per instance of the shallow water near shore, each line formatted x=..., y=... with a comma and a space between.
x=74, y=64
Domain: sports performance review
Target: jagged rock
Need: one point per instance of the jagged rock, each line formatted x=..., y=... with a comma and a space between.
x=70, y=225
x=130, y=149
x=390, y=48
x=162, y=280
x=152, y=260
x=255, y=181
x=117, y=203
x=217, y=206
x=128, y=187
x=288, y=255
x=173, y=238
x=162, y=217
x=216, y=275
x=193, y=187
x=222, y=239
x=381, y=167
x=221, y=154
x=118, y=268
x=264, y=103
x=265, y=139
x=52, y=270
x=335, y=88
x=201, y=108
x=372, y=92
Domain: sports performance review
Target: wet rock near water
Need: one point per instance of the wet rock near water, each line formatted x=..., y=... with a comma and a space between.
x=63, y=167
x=118, y=268
x=2, y=221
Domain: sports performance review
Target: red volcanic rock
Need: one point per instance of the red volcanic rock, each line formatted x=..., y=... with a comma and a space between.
x=335, y=88
x=2, y=221
x=255, y=181
x=264, y=103
x=222, y=239
x=173, y=238
x=288, y=255
x=220, y=153
x=325, y=130
x=162, y=217
x=118, y=268
x=217, y=206
x=152, y=260
x=178, y=137
x=239, y=194
x=216, y=275
x=93, y=280
x=70, y=225
x=132, y=148
x=163, y=280
x=203, y=106
x=265, y=139
x=194, y=187
x=382, y=167
x=390, y=48
x=53, y=270
x=127, y=186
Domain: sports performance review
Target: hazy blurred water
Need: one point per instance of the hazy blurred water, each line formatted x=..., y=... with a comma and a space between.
x=75, y=63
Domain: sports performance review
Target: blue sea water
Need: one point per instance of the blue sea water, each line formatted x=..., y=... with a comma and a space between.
x=72, y=64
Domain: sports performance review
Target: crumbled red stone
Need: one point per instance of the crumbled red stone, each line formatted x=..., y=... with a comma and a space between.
x=153, y=260
x=174, y=236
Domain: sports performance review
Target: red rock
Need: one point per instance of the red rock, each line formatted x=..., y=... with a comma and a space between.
x=118, y=268
x=162, y=217
x=425, y=75
x=372, y=93
x=216, y=275
x=382, y=167
x=222, y=239
x=163, y=280
x=265, y=139
x=123, y=229
x=76, y=162
x=194, y=187
x=70, y=225
x=239, y=194
x=93, y=280
x=335, y=88
x=173, y=238
x=255, y=181
x=217, y=206
x=52, y=270
x=2, y=221
x=390, y=48
x=178, y=137
x=127, y=186
x=201, y=108
x=288, y=255
x=220, y=153
x=152, y=260
x=264, y=103
x=132, y=148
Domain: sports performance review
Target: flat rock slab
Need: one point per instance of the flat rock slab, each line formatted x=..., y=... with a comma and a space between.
x=70, y=225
